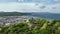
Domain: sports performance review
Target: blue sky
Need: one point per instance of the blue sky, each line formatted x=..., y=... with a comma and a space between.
x=30, y=5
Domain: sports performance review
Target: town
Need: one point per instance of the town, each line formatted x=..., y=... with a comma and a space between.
x=9, y=20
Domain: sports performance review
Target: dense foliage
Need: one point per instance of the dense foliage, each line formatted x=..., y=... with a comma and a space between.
x=33, y=26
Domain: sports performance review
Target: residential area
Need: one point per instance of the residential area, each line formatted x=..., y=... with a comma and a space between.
x=8, y=20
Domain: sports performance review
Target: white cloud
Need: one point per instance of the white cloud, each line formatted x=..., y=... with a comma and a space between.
x=17, y=7
x=29, y=7
x=57, y=0
x=53, y=8
x=20, y=0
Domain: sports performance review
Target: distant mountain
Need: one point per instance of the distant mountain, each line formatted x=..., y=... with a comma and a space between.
x=13, y=14
x=46, y=15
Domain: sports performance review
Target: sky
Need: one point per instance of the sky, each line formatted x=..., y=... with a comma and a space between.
x=52, y=6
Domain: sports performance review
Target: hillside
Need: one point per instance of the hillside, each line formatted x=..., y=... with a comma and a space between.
x=46, y=15
x=33, y=26
x=13, y=14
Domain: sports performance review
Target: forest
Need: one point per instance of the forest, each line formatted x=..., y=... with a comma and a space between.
x=33, y=26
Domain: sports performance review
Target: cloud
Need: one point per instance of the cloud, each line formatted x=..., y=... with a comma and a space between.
x=55, y=8
x=20, y=0
x=29, y=7
x=57, y=0
x=22, y=7
x=5, y=1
